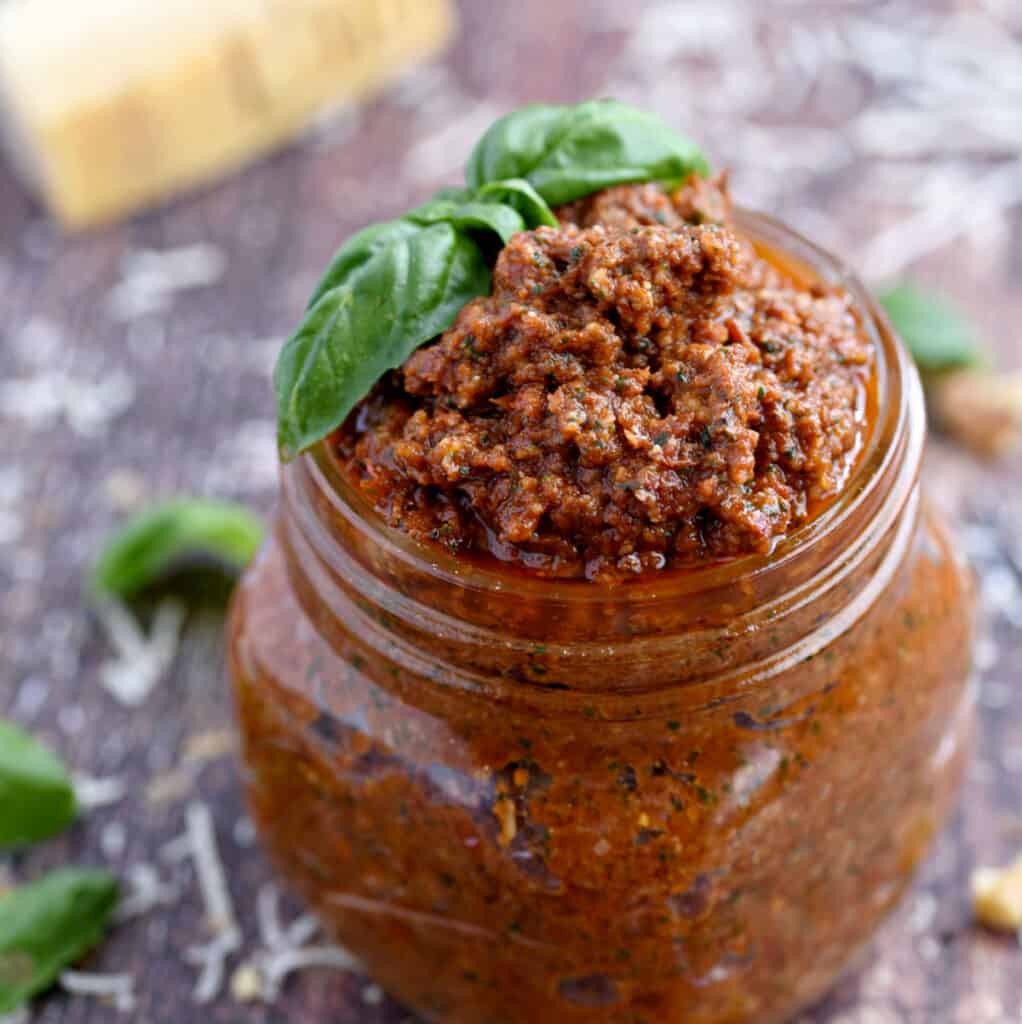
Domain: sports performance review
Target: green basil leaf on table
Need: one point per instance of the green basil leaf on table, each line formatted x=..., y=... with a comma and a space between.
x=158, y=537
x=49, y=925
x=518, y=193
x=937, y=335
x=504, y=221
x=405, y=293
x=37, y=798
x=566, y=152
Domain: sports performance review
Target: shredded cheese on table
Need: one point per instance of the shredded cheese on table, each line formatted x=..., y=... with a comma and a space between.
x=199, y=843
x=119, y=989
x=142, y=661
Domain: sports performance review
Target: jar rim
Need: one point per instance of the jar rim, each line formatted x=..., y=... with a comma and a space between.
x=899, y=404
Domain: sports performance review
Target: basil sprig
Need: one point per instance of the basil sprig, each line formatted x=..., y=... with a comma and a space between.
x=157, y=538
x=48, y=925
x=395, y=286
x=937, y=335
x=37, y=798
x=569, y=152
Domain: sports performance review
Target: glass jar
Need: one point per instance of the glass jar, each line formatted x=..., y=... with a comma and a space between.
x=690, y=798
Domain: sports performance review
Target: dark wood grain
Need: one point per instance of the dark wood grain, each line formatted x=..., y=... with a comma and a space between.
x=200, y=421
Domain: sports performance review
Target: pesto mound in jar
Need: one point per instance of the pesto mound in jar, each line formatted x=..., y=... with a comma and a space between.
x=643, y=389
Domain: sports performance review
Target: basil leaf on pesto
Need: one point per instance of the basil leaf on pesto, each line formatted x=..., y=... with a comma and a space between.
x=504, y=221
x=360, y=250
x=404, y=293
x=37, y=798
x=397, y=285
x=519, y=194
x=48, y=925
x=569, y=152
x=937, y=335
x=159, y=537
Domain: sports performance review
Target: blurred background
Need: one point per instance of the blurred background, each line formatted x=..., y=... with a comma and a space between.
x=137, y=335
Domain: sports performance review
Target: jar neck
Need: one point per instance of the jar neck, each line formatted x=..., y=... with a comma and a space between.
x=414, y=602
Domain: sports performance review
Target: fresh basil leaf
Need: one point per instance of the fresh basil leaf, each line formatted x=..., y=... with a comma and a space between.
x=359, y=250
x=48, y=925
x=504, y=221
x=37, y=798
x=154, y=540
x=569, y=152
x=518, y=193
x=406, y=293
x=936, y=333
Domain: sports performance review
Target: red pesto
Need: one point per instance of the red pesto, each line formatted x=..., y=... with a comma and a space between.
x=685, y=799
x=642, y=390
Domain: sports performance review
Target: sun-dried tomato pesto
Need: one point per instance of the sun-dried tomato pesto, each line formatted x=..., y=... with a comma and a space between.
x=691, y=798
x=642, y=389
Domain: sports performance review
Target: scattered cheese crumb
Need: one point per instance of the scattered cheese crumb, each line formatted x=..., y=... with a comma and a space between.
x=113, y=840
x=211, y=959
x=209, y=746
x=997, y=896
x=118, y=989
x=141, y=660
x=150, y=278
x=125, y=488
x=372, y=995
x=146, y=891
x=92, y=793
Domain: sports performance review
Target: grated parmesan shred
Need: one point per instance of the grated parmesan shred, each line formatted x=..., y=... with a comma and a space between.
x=93, y=794
x=285, y=951
x=280, y=965
x=200, y=844
x=146, y=892
x=141, y=661
x=151, y=278
x=118, y=989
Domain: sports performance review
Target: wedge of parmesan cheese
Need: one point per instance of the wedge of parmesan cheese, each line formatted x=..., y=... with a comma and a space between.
x=112, y=105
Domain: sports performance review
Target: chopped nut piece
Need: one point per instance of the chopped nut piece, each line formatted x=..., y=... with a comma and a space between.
x=504, y=810
x=247, y=984
x=997, y=896
x=980, y=408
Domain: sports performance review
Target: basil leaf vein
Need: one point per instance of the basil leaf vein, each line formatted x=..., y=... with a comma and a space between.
x=570, y=152
x=48, y=925
x=150, y=543
x=406, y=293
x=37, y=798
x=937, y=335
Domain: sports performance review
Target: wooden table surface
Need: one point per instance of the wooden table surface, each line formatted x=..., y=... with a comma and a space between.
x=889, y=131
